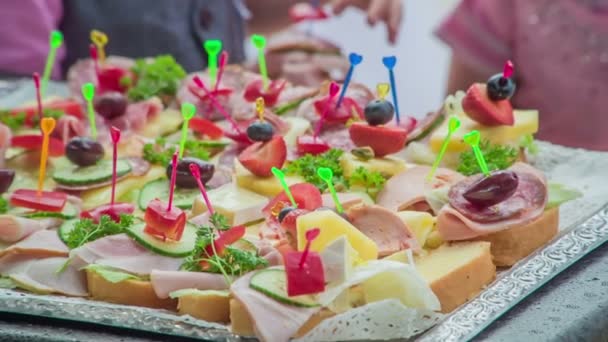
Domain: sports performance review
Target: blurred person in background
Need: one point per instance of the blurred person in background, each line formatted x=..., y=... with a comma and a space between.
x=138, y=28
x=560, y=52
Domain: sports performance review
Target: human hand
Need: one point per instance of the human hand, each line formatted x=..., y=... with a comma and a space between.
x=389, y=11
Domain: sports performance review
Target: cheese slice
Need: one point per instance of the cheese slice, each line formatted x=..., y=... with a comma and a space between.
x=265, y=186
x=421, y=224
x=387, y=166
x=297, y=127
x=526, y=122
x=338, y=258
x=165, y=122
x=240, y=206
x=333, y=226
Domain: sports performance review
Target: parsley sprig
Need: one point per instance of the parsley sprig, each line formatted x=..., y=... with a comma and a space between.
x=159, y=77
x=306, y=167
x=16, y=121
x=232, y=262
x=498, y=157
x=86, y=230
x=160, y=152
x=3, y=205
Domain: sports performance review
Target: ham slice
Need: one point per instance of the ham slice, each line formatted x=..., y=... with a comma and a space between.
x=384, y=227
x=165, y=282
x=121, y=252
x=67, y=127
x=5, y=142
x=41, y=276
x=15, y=228
x=40, y=244
x=408, y=189
x=137, y=114
x=272, y=320
x=529, y=200
x=347, y=199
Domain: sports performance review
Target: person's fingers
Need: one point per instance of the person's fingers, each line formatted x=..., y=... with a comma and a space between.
x=377, y=11
x=394, y=21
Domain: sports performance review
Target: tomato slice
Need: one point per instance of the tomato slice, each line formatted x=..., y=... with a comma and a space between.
x=255, y=89
x=206, y=127
x=306, y=195
x=110, y=79
x=34, y=142
x=114, y=211
x=347, y=110
x=68, y=106
x=46, y=201
x=308, y=144
x=164, y=224
x=226, y=238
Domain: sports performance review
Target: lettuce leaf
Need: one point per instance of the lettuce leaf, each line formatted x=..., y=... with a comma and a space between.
x=7, y=283
x=111, y=275
x=559, y=194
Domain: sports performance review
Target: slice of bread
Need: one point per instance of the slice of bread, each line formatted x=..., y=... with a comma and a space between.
x=457, y=271
x=210, y=306
x=511, y=245
x=127, y=292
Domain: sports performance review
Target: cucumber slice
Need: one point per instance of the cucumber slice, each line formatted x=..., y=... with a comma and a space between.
x=173, y=249
x=65, y=229
x=245, y=244
x=273, y=283
x=98, y=173
x=69, y=212
x=182, y=198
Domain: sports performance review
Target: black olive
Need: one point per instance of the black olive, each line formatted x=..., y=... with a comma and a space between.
x=84, y=151
x=379, y=112
x=493, y=189
x=184, y=178
x=6, y=179
x=111, y=104
x=260, y=131
x=500, y=87
x=284, y=213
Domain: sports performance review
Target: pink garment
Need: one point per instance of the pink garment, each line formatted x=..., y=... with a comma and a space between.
x=26, y=26
x=560, y=52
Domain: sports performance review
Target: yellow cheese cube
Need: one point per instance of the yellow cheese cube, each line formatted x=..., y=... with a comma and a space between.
x=297, y=127
x=388, y=166
x=419, y=222
x=526, y=122
x=95, y=197
x=239, y=205
x=267, y=186
x=333, y=226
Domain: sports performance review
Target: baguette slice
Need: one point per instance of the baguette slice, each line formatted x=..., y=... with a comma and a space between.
x=457, y=271
x=511, y=245
x=128, y=292
x=210, y=306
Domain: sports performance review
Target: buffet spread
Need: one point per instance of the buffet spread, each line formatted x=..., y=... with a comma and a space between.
x=273, y=202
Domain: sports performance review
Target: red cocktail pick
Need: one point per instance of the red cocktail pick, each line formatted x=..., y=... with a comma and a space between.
x=196, y=173
x=508, y=69
x=36, y=77
x=197, y=80
x=305, y=274
x=334, y=88
x=115, y=135
x=95, y=58
x=223, y=60
x=173, y=178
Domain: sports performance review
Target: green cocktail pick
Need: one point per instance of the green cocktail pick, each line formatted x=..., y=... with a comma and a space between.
x=453, y=125
x=281, y=177
x=88, y=92
x=188, y=111
x=260, y=43
x=213, y=48
x=327, y=175
x=55, y=41
x=472, y=138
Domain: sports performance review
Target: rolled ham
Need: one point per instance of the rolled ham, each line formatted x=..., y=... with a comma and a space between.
x=40, y=275
x=5, y=142
x=272, y=320
x=384, y=227
x=14, y=228
x=165, y=282
x=524, y=206
x=122, y=253
x=408, y=189
x=83, y=71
